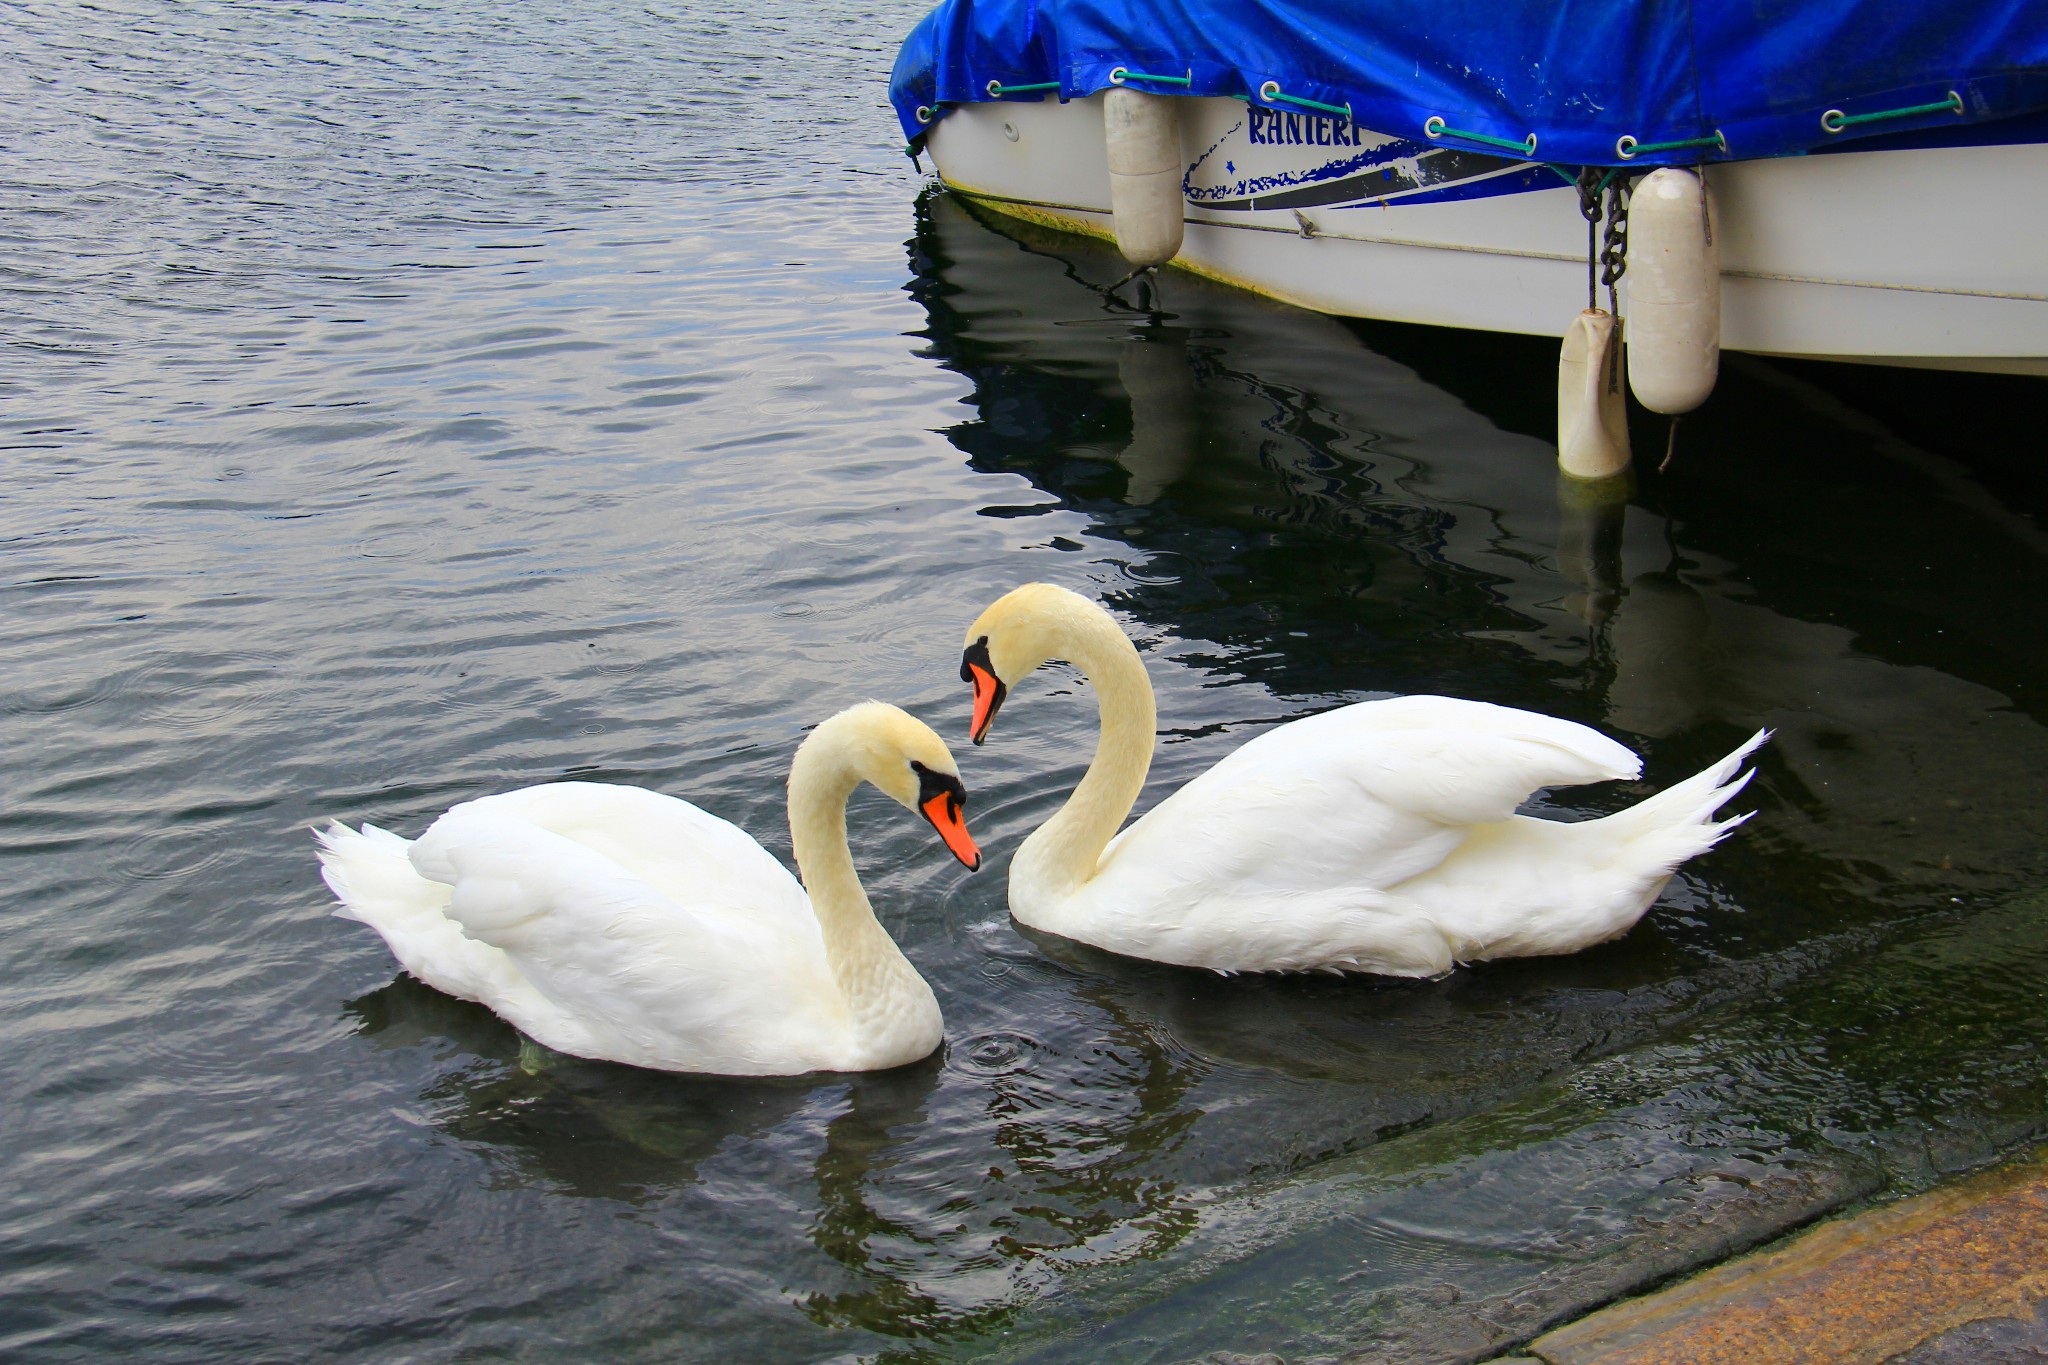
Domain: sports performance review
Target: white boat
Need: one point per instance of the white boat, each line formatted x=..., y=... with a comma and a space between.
x=1877, y=174
x=1932, y=256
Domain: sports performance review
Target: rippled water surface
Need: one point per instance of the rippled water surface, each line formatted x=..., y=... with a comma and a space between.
x=404, y=402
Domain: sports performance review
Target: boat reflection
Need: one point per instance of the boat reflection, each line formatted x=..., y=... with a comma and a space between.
x=1320, y=507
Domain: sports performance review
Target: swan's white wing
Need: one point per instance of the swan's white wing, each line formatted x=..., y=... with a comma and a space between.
x=1452, y=761
x=720, y=967
x=1366, y=795
x=1285, y=854
x=679, y=850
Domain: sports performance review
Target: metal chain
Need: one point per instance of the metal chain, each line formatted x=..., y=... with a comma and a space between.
x=1613, y=265
x=1588, y=185
x=1614, y=249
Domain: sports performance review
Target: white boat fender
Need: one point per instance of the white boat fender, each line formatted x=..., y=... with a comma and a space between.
x=1674, y=292
x=1592, y=413
x=1142, y=133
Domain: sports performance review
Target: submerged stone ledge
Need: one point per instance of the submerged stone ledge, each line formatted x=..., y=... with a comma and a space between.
x=1869, y=1288
x=1463, y=1241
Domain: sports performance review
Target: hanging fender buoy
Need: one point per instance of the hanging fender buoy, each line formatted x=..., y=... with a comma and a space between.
x=1674, y=292
x=1145, y=167
x=1592, y=417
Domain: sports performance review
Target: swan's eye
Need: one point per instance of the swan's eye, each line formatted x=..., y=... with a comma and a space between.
x=976, y=655
x=931, y=784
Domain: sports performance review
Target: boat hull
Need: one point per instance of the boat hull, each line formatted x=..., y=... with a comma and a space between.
x=1929, y=257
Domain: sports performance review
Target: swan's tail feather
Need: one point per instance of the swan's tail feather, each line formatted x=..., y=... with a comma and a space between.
x=368, y=872
x=1678, y=823
x=371, y=874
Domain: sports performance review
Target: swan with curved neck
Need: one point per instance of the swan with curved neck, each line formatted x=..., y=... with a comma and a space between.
x=1377, y=837
x=621, y=924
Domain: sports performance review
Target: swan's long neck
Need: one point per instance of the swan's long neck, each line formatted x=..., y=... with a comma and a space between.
x=866, y=963
x=1066, y=850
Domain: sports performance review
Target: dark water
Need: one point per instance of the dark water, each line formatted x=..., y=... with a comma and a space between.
x=405, y=402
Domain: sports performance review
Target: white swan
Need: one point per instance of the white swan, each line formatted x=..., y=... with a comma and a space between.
x=1378, y=837
x=621, y=924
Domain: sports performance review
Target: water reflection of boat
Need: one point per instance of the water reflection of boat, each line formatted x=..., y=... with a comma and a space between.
x=1276, y=457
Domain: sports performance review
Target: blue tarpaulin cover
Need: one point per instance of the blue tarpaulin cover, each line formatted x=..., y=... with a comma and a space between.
x=1576, y=74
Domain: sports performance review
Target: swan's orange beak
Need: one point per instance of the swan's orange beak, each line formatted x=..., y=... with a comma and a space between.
x=989, y=691
x=943, y=810
x=943, y=801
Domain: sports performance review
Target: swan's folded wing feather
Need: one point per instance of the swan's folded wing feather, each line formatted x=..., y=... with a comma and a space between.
x=677, y=849
x=370, y=875
x=1362, y=797
x=715, y=969
x=1452, y=761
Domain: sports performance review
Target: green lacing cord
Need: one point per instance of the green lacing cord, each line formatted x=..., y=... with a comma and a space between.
x=1434, y=126
x=1601, y=188
x=1118, y=75
x=1270, y=93
x=1834, y=120
x=1628, y=149
x=996, y=89
x=1572, y=180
